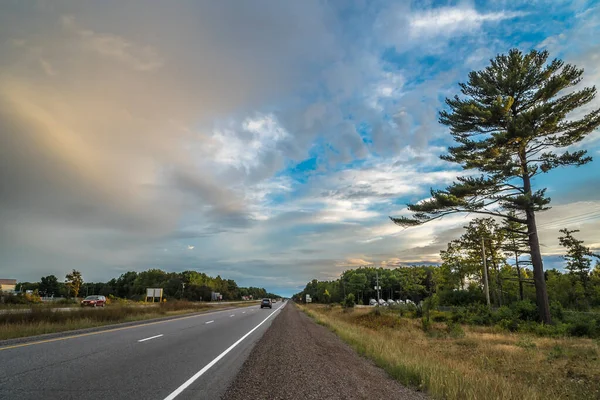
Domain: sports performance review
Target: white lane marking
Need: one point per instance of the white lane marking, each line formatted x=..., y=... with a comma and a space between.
x=150, y=338
x=209, y=322
x=232, y=315
x=208, y=366
x=243, y=312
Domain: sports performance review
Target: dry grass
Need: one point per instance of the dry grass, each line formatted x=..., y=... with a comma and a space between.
x=41, y=320
x=481, y=365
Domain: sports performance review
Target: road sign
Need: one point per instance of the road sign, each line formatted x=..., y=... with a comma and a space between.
x=377, y=288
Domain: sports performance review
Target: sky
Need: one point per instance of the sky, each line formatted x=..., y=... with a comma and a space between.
x=263, y=141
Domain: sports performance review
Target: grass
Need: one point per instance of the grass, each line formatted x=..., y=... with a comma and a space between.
x=463, y=362
x=42, y=320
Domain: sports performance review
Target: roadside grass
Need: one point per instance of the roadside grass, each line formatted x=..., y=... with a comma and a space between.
x=460, y=362
x=42, y=320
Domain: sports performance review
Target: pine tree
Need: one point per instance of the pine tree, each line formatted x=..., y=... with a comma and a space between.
x=578, y=257
x=511, y=126
x=516, y=244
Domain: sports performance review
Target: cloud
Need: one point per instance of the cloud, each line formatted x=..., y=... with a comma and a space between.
x=138, y=57
x=449, y=21
x=129, y=139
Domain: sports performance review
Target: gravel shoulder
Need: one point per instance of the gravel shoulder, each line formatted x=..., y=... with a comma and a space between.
x=298, y=359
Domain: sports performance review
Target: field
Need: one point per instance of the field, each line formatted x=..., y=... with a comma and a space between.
x=40, y=320
x=466, y=362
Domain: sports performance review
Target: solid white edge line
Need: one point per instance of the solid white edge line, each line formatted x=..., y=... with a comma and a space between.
x=150, y=338
x=208, y=366
x=209, y=322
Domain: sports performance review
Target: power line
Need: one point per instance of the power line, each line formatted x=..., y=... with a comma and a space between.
x=573, y=218
x=568, y=221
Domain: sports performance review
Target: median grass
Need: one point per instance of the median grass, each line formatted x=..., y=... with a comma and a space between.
x=463, y=362
x=42, y=320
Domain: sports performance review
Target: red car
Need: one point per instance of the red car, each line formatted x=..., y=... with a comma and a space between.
x=94, y=301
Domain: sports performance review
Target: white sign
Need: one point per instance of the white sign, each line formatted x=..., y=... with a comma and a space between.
x=377, y=288
x=154, y=292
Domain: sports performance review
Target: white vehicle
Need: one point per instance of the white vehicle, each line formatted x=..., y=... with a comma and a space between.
x=409, y=301
x=372, y=302
x=382, y=302
x=391, y=302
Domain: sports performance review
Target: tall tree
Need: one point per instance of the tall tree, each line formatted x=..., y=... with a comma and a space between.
x=511, y=126
x=73, y=281
x=49, y=286
x=578, y=257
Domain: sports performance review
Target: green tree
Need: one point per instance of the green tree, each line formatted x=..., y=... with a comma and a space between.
x=73, y=281
x=326, y=296
x=49, y=286
x=516, y=244
x=511, y=126
x=578, y=257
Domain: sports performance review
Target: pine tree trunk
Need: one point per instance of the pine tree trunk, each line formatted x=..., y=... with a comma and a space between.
x=541, y=293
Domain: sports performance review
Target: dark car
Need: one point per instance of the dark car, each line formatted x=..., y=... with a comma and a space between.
x=94, y=301
x=266, y=303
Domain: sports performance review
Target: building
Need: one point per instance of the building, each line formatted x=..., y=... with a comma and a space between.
x=8, y=285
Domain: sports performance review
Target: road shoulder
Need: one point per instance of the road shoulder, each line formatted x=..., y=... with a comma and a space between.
x=298, y=359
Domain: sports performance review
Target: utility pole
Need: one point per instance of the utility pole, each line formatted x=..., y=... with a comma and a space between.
x=182, y=288
x=377, y=285
x=486, y=288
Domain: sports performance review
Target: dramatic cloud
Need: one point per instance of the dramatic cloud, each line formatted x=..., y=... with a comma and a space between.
x=264, y=141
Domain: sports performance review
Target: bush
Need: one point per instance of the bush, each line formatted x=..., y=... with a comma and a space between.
x=479, y=314
x=459, y=316
x=582, y=324
x=525, y=310
x=349, y=302
x=439, y=316
x=503, y=313
x=461, y=297
x=425, y=324
x=455, y=331
x=556, y=310
x=582, y=328
x=511, y=325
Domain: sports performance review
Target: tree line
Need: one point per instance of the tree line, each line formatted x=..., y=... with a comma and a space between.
x=187, y=285
x=486, y=248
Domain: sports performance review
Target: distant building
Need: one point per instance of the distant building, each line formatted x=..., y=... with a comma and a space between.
x=8, y=285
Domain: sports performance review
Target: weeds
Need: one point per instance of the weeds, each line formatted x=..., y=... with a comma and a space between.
x=454, y=362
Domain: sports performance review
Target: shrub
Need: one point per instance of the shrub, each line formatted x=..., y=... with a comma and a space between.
x=556, y=310
x=349, y=302
x=525, y=310
x=581, y=328
x=511, y=325
x=479, y=314
x=503, y=313
x=439, y=316
x=459, y=316
x=425, y=324
x=461, y=297
x=455, y=331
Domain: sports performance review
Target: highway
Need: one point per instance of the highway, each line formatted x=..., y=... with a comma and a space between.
x=193, y=357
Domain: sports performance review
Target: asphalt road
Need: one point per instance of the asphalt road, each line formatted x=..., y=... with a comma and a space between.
x=193, y=357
